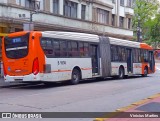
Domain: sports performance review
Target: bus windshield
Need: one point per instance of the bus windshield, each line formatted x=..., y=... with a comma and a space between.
x=16, y=47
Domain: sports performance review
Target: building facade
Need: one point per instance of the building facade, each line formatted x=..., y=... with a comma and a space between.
x=111, y=17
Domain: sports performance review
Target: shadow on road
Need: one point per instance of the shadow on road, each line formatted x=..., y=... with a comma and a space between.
x=42, y=85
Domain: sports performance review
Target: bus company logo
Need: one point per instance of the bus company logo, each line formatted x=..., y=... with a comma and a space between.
x=9, y=68
x=6, y=115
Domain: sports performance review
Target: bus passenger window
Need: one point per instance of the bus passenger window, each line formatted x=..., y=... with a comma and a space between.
x=142, y=56
x=74, y=49
x=146, y=56
x=48, y=51
x=69, y=49
x=63, y=48
x=46, y=44
x=81, y=49
x=123, y=54
x=86, y=49
x=49, y=43
x=43, y=43
x=56, y=48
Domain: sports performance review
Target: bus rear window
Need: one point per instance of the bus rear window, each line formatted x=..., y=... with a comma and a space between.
x=16, y=47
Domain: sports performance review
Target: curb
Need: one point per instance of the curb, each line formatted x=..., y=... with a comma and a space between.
x=133, y=105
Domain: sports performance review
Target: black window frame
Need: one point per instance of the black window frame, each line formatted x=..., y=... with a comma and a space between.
x=83, y=12
x=129, y=23
x=73, y=52
x=144, y=56
x=29, y=4
x=103, y=16
x=122, y=2
x=70, y=9
x=55, y=6
x=84, y=50
x=137, y=55
x=47, y=50
x=121, y=22
x=66, y=53
x=113, y=19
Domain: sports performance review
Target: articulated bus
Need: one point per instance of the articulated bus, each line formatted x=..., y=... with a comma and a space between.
x=52, y=56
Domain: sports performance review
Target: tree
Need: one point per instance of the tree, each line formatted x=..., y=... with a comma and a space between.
x=152, y=31
x=144, y=11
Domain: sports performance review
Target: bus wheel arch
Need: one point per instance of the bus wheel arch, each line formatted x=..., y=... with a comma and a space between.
x=145, y=71
x=76, y=75
x=121, y=72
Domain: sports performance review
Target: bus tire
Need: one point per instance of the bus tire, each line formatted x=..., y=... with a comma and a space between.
x=145, y=72
x=121, y=73
x=75, y=77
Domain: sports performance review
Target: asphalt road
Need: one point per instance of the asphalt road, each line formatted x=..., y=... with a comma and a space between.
x=88, y=96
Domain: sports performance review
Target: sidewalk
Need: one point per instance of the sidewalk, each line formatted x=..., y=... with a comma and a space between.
x=145, y=110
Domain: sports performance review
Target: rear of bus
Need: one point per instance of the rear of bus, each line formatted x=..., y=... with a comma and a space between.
x=22, y=56
x=148, y=63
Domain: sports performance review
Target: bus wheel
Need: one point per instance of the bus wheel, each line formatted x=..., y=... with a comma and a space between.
x=75, y=77
x=121, y=73
x=145, y=72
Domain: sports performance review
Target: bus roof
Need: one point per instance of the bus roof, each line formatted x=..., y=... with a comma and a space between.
x=122, y=42
x=86, y=37
x=93, y=38
x=71, y=36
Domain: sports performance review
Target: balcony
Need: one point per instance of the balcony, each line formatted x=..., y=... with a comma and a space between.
x=129, y=11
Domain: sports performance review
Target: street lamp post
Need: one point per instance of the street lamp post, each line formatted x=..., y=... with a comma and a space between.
x=30, y=26
x=31, y=16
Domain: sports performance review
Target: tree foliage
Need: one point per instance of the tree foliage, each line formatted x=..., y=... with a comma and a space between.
x=145, y=11
x=152, y=31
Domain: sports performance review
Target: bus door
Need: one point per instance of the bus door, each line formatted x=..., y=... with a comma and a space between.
x=94, y=58
x=151, y=61
x=129, y=60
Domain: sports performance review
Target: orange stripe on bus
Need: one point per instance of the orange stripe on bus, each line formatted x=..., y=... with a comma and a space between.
x=137, y=67
x=114, y=67
x=86, y=68
x=62, y=71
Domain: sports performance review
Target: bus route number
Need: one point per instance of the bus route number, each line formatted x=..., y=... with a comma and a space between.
x=61, y=62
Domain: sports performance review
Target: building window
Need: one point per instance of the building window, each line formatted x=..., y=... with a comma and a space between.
x=129, y=23
x=133, y=3
x=122, y=2
x=18, y=2
x=129, y=3
x=83, y=12
x=113, y=1
x=103, y=16
x=55, y=6
x=121, y=22
x=113, y=20
x=70, y=9
x=29, y=4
